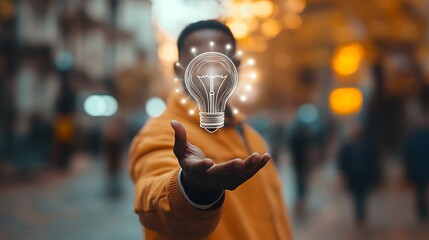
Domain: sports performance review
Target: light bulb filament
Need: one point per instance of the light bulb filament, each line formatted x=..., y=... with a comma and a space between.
x=207, y=83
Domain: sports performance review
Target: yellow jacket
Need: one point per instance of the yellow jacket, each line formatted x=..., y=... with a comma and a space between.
x=255, y=210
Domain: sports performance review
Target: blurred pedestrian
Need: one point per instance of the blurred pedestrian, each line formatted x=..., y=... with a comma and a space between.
x=64, y=125
x=113, y=143
x=300, y=145
x=359, y=165
x=277, y=140
x=416, y=156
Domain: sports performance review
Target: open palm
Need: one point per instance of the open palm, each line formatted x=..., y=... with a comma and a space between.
x=202, y=176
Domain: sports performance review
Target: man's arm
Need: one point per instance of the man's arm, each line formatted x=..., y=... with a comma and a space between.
x=159, y=202
x=157, y=158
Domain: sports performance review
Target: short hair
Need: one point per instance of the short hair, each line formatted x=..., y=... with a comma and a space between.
x=205, y=24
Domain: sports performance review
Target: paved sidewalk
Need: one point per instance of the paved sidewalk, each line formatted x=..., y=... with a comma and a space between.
x=68, y=206
x=391, y=212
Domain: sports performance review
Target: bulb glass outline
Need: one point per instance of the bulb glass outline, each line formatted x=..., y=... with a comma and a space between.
x=211, y=79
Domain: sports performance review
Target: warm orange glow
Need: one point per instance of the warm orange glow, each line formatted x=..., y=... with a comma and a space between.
x=271, y=28
x=239, y=28
x=245, y=10
x=296, y=6
x=293, y=21
x=252, y=24
x=345, y=101
x=255, y=44
x=281, y=60
x=64, y=128
x=7, y=10
x=259, y=44
x=346, y=60
x=263, y=9
x=167, y=52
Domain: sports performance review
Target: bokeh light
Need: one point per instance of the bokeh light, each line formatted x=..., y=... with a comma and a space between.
x=64, y=61
x=293, y=21
x=346, y=60
x=245, y=10
x=239, y=28
x=155, y=107
x=308, y=113
x=167, y=52
x=263, y=9
x=100, y=105
x=296, y=6
x=345, y=101
x=271, y=28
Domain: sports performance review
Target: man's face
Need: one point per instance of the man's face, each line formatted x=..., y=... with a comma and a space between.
x=200, y=40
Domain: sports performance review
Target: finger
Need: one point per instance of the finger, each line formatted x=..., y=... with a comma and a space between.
x=226, y=168
x=260, y=163
x=180, y=139
x=266, y=157
x=251, y=161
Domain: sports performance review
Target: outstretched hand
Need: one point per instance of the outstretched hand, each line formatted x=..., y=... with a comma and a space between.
x=202, y=178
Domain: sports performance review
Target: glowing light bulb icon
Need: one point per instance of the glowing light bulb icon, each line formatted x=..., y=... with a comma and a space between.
x=211, y=79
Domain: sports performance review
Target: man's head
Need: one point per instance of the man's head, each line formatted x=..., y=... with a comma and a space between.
x=199, y=35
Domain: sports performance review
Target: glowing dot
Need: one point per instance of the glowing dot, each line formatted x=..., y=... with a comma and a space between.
x=248, y=87
x=155, y=107
x=243, y=98
x=211, y=44
x=263, y=9
x=183, y=101
x=296, y=6
x=167, y=52
x=251, y=61
x=270, y=28
x=176, y=79
x=239, y=53
x=346, y=100
x=253, y=75
x=293, y=21
x=308, y=113
x=191, y=112
x=239, y=28
x=194, y=50
x=235, y=111
x=177, y=64
x=347, y=59
x=228, y=46
x=100, y=105
x=177, y=90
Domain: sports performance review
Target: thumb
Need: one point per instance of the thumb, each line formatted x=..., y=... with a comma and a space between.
x=179, y=136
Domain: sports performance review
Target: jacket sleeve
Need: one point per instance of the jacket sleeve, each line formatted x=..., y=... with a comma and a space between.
x=158, y=201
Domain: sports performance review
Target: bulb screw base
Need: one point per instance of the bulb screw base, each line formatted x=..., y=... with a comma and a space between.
x=212, y=121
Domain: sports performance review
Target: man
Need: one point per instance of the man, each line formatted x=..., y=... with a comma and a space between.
x=300, y=144
x=181, y=188
x=416, y=156
x=359, y=164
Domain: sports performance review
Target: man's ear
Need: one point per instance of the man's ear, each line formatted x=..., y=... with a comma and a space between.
x=237, y=62
x=178, y=70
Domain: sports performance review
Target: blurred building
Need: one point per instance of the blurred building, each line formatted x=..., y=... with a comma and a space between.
x=54, y=56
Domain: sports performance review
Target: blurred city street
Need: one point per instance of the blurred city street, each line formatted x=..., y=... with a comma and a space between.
x=338, y=91
x=68, y=206
x=330, y=216
x=75, y=206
